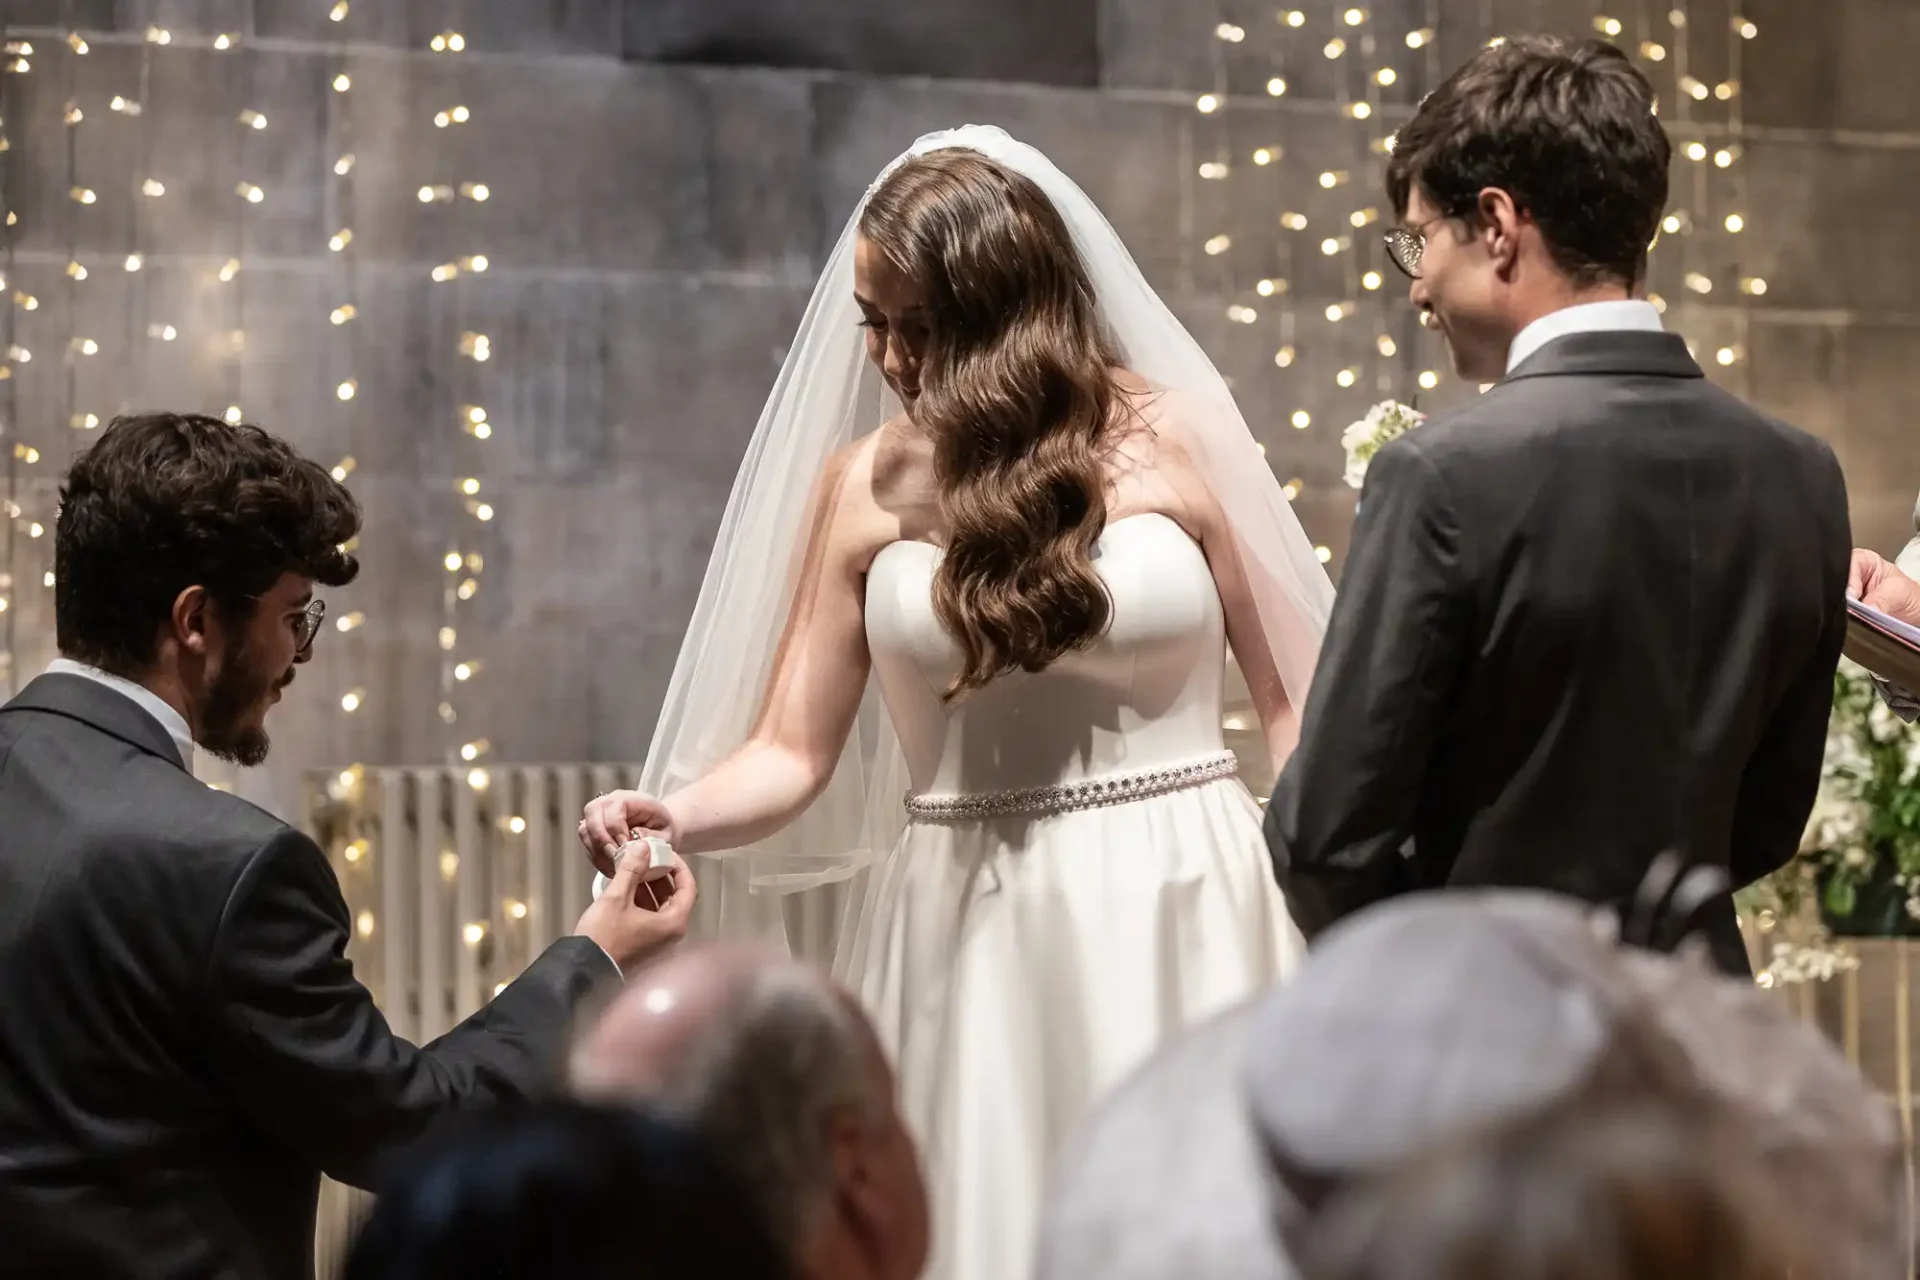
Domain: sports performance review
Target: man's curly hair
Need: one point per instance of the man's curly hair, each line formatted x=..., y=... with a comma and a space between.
x=165, y=501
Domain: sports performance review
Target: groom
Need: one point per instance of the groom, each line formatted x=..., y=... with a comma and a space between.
x=1595, y=613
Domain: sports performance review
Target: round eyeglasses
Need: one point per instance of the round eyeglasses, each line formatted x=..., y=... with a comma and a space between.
x=309, y=628
x=1405, y=247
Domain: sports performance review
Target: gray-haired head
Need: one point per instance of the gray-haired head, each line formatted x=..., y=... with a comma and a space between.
x=781, y=1072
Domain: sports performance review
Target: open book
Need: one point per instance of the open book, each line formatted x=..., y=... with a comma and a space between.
x=1883, y=645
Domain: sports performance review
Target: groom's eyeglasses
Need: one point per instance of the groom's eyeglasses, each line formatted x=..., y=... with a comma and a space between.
x=1405, y=248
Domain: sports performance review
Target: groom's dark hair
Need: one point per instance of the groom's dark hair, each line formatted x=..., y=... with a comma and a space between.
x=1568, y=130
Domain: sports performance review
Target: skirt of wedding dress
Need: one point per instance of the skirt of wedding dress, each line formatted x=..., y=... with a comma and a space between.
x=1018, y=968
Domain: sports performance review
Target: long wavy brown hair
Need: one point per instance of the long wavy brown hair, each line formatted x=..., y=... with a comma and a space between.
x=1017, y=394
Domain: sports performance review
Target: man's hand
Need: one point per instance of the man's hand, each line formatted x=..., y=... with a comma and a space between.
x=624, y=921
x=1874, y=582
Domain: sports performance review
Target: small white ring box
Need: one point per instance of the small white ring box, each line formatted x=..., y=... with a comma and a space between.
x=659, y=858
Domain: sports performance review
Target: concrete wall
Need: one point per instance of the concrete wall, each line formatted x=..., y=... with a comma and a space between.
x=656, y=216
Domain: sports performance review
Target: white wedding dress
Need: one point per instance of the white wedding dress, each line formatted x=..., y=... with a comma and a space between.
x=1077, y=874
x=1082, y=876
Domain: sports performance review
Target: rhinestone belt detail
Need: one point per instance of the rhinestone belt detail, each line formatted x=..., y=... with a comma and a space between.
x=1064, y=797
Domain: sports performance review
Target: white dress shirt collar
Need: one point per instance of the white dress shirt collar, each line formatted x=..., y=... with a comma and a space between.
x=1625, y=315
x=146, y=699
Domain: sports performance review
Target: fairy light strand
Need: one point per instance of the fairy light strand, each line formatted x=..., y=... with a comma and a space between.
x=9, y=384
x=77, y=272
x=463, y=562
x=1214, y=140
x=1745, y=289
x=246, y=194
x=344, y=309
x=1287, y=332
x=140, y=331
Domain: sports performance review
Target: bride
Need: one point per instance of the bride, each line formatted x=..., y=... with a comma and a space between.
x=1020, y=520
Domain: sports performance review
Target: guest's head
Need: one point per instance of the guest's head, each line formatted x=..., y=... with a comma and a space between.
x=1533, y=178
x=1167, y=1179
x=563, y=1189
x=781, y=1073
x=981, y=316
x=1648, y=1187
x=186, y=556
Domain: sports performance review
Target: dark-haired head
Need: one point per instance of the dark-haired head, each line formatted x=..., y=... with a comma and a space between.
x=1534, y=177
x=563, y=1189
x=982, y=318
x=186, y=555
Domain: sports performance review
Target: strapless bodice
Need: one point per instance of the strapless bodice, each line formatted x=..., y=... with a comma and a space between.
x=1145, y=695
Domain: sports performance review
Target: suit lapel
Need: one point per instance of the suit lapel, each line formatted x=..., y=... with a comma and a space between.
x=105, y=709
x=1617, y=353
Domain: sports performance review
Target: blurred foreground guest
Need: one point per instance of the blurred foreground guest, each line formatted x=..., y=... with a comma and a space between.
x=184, y=1048
x=783, y=1075
x=1648, y=1188
x=568, y=1191
x=1435, y=1016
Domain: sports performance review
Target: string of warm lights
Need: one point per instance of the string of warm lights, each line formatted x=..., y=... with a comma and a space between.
x=247, y=195
x=343, y=365
x=343, y=310
x=1214, y=141
x=141, y=330
x=78, y=345
x=1748, y=286
x=1341, y=241
x=1287, y=225
x=21, y=526
x=1370, y=369
x=12, y=57
x=465, y=561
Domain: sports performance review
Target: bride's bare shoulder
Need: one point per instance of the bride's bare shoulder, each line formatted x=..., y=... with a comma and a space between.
x=880, y=488
x=1153, y=456
x=1153, y=427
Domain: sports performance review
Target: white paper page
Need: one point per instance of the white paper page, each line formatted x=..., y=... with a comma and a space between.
x=1891, y=625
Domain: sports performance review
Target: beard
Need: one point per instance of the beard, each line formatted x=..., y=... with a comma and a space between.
x=230, y=729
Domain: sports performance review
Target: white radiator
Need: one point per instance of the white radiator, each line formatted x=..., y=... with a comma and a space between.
x=457, y=877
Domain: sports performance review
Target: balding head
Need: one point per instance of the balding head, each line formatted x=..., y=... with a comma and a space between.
x=782, y=1072
x=669, y=1011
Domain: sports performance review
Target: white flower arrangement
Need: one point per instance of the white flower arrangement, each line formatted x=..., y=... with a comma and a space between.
x=1388, y=420
x=1858, y=871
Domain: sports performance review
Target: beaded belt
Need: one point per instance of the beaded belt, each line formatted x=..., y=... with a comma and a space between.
x=1087, y=793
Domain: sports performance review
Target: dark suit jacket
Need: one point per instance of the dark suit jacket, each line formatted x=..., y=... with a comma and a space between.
x=1592, y=615
x=183, y=1046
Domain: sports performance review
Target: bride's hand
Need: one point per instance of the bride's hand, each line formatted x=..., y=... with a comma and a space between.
x=614, y=819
